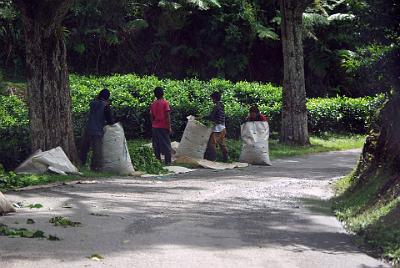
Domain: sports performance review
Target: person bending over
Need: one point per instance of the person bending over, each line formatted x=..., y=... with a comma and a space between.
x=99, y=116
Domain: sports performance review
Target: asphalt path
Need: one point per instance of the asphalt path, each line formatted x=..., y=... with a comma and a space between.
x=277, y=216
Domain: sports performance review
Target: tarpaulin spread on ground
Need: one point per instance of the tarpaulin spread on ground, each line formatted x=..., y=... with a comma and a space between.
x=54, y=160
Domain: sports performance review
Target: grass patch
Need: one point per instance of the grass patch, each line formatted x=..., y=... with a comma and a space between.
x=10, y=180
x=374, y=217
x=319, y=144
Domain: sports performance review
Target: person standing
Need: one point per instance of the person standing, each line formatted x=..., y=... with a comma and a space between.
x=218, y=134
x=161, y=126
x=99, y=115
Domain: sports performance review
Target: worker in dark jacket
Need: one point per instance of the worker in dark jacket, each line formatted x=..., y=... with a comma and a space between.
x=218, y=135
x=99, y=115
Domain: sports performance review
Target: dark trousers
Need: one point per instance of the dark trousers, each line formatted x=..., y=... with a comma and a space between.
x=216, y=138
x=162, y=144
x=95, y=143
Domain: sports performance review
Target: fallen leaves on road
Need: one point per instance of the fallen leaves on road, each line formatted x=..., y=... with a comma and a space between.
x=23, y=232
x=63, y=221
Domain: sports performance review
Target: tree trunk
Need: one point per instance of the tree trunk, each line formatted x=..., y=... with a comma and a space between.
x=382, y=148
x=48, y=84
x=294, y=129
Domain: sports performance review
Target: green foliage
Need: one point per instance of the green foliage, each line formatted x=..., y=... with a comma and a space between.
x=143, y=158
x=372, y=68
x=2, y=84
x=31, y=206
x=63, y=221
x=20, y=232
x=352, y=115
x=14, y=130
x=371, y=213
x=10, y=180
x=23, y=232
x=131, y=96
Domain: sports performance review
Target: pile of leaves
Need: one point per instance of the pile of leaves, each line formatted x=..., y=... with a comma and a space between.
x=143, y=158
x=23, y=232
x=63, y=221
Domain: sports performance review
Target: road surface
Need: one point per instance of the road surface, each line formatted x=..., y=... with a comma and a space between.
x=276, y=216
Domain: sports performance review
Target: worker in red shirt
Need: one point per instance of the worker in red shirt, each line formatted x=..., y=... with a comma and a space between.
x=255, y=114
x=161, y=126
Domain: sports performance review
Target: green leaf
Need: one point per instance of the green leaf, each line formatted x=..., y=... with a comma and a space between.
x=137, y=24
x=266, y=33
x=79, y=48
x=31, y=206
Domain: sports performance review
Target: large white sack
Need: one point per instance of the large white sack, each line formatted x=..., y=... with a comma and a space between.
x=255, y=148
x=57, y=159
x=194, y=140
x=5, y=206
x=116, y=158
x=29, y=167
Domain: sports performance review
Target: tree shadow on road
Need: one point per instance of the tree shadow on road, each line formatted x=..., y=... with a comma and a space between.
x=143, y=217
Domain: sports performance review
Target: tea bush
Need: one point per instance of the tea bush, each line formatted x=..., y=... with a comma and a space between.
x=14, y=130
x=131, y=96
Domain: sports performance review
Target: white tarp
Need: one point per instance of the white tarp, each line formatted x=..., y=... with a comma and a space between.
x=209, y=164
x=194, y=140
x=116, y=158
x=54, y=160
x=5, y=206
x=178, y=169
x=255, y=148
x=30, y=167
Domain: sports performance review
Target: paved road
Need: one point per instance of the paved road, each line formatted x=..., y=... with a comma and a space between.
x=274, y=217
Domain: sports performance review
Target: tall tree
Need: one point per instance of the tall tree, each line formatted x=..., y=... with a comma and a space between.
x=294, y=112
x=47, y=74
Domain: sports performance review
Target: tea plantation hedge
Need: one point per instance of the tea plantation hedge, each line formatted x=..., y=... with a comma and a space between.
x=132, y=95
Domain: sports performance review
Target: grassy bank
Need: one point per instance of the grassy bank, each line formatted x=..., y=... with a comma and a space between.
x=10, y=180
x=319, y=144
x=374, y=217
x=144, y=160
